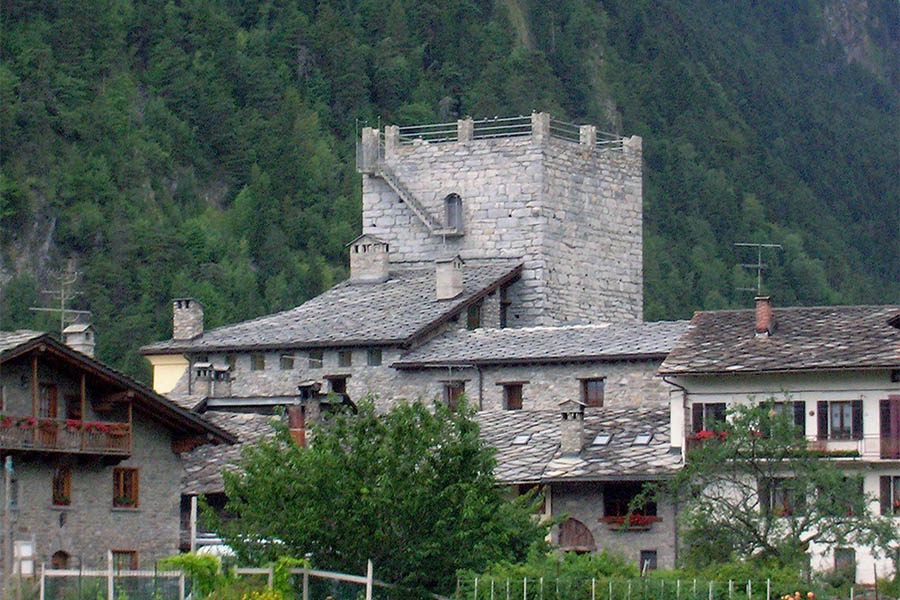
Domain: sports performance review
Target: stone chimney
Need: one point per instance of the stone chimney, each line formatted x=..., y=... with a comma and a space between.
x=187, y=318
x=448, y=277
x=571, y=427
x=765, y=320
x=81, y=337
x=368, y=259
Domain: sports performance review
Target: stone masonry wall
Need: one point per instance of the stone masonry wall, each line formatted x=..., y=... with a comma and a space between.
x=584, y=502
x=572, y=214
x=90, y=526
x=592, y=240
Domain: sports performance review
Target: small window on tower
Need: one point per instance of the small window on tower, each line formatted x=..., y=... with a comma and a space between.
x=453, y=212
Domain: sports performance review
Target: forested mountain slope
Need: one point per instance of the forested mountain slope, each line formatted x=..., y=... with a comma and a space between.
x=205, y=148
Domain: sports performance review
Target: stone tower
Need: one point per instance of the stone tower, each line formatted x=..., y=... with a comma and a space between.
x=531, y=189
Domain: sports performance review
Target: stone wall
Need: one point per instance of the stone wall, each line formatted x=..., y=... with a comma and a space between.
x=90, y=526
x=571, y=213
x=584, y=501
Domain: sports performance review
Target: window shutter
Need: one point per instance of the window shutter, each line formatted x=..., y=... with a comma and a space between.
x=697, y=417
x=822, y=414
x=800, y=416
x=857, y=431
x=885, y=495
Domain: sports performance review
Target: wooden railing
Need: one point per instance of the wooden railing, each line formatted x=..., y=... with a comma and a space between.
x=61, y=435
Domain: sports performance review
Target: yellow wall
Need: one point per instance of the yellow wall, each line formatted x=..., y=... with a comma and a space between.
x=167, y=370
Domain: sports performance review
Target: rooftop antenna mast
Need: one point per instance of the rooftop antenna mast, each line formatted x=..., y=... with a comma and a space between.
x=759, y=265
x=64, y=294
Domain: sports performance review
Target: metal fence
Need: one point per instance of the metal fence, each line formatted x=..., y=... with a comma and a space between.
x=109, y=584
x=645, y=588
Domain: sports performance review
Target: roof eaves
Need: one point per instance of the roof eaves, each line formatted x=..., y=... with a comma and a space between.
x=61, y=349
x=531, y=361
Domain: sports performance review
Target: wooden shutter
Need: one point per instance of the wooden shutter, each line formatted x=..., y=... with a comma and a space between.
x=800, y=416
x=696, y=417
x=822, y=415
x=885, y=494
x=857, y=429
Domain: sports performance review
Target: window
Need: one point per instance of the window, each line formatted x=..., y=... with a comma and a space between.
x=504, y=307
x=592, y=391
x=453, y=212
x=73, y=407
x=59, y=560
x=707, y=416
x=889, y=495
x=62, y=486
x=473, y=316
x=845, y=560
x=840, y=420
x=453, y=391
x=345, y=358
x=539, y=491
x=47, y=401
x=373, y=357
x=315, y=359
x=617, y=498
x=512, y=396
x=338, y=385
x=780, y=497
x=796, y=414
x=287, y=362
x=257, y=361
x=231, y=361
x=125, y=487
x=124, y=560
x=648, y=560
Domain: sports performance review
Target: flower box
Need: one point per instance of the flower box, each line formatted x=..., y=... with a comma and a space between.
x=630, y=522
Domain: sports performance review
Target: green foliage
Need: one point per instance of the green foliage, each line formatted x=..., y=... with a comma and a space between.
x=203, y=571
x=370, y=484
x=753, y=491
x=190, y=148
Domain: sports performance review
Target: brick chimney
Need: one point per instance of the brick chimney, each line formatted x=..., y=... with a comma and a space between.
x=368, y=259
x=765, y=320
x=571, y=427
x=81, y=337
x=448, y=277
x=187, y=318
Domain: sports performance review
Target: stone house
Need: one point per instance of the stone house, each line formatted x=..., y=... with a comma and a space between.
x=837, y=369
x=95, y=456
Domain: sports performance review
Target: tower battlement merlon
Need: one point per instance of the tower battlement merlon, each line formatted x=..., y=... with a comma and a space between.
x=563, y=199
x=375, y=145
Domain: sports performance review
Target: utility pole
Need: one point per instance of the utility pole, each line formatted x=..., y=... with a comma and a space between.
x=759, y=265
x=7, y=526
x=64, y=294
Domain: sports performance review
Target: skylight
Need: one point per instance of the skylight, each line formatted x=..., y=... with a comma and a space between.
x=602, y=439
x=521, y=439
x=642, y=439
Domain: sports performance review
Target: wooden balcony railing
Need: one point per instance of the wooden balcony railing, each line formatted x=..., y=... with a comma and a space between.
x=870, y=447
x=61, y=435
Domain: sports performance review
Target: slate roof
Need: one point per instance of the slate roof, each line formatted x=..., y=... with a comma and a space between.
x=203, y=466
x=353, y=313
x=548, y=344
x=11, y=339
x=540, y=460
x=804, y=338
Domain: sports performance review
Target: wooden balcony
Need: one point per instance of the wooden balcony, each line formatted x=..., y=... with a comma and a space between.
x=29, y=434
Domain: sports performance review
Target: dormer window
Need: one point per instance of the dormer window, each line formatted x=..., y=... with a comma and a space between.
x=453, y=216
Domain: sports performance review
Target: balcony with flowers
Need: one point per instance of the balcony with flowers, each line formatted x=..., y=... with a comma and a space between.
x=38, y=434
x=631, y=522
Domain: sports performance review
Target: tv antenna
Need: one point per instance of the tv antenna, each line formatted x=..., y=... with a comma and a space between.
x=64, y=294
x=759, y=265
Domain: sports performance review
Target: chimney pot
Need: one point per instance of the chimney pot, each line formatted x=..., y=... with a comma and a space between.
x=368, y=259
x=765, y=323
x=571, y=427
x=448, y=277
x=187, y=318
x=81, y=337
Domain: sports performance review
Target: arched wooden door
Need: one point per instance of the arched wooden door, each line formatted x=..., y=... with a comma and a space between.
x=574, y=536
